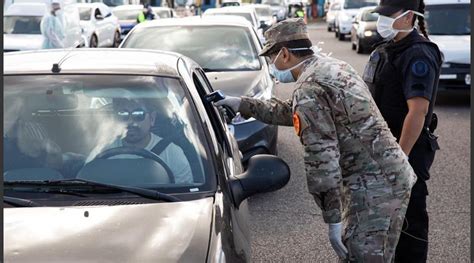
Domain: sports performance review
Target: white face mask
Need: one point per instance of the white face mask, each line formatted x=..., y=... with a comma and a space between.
x=385, y=25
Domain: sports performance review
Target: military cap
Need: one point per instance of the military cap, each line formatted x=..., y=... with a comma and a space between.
x=389, y=7
x=286, y=30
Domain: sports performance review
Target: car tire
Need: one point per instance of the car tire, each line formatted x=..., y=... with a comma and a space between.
x=336, y=34
x=353, y=46
x=359, y=47
x=342, y=36
x=117, y=39
x=329, y=29
x=94, y=42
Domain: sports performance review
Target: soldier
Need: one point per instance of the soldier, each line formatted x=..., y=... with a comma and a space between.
x=402, y=75
x=356, y=171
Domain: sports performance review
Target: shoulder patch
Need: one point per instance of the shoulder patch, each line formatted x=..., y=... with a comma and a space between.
x=419, y=68
x=297, y=124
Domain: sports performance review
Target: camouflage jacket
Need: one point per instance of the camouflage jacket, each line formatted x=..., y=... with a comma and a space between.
x=345, y=137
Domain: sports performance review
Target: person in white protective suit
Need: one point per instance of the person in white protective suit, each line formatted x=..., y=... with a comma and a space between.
x=52, y=27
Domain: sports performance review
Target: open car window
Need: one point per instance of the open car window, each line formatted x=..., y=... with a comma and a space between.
x=100, y=128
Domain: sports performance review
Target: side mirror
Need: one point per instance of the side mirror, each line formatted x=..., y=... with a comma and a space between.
x=265, y=173
x=99, y=17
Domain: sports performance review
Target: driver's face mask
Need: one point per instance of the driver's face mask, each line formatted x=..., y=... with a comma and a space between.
x=385, y=25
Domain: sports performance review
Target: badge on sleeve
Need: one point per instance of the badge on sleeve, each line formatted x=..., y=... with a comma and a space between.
x=419, y=68
x=297, y=123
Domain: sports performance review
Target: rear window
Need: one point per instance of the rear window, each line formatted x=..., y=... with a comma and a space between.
x=448, y=19
x=127, y=14
x=22, y=25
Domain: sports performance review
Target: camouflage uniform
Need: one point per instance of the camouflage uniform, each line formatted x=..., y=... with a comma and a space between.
x=356, y=171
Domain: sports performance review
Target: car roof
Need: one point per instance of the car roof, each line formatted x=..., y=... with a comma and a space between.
x=444, y=2
x=26, y=9
x=95, y=61
x=231, y=9
x=224, y=20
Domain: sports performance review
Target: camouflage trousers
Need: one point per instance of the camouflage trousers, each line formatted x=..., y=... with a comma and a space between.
x=374, y=218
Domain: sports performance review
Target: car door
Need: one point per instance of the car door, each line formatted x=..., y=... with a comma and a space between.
x=100, y=26
x=110, y=23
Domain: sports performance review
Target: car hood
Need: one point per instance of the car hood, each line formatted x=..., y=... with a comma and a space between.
x=456, y=49
x=370, y=25
x=160, y=232
x=22, y=42
x=235, y=83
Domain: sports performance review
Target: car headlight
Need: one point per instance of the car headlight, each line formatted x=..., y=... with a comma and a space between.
x=368, y=33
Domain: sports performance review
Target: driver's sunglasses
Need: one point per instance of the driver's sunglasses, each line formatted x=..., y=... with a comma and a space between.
x=137, y=115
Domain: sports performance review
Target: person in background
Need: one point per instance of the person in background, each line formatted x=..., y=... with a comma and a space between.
x=146, y=14
x=52, y=27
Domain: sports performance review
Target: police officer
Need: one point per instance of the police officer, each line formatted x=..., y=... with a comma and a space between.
x=356, y=171
x=402, y=75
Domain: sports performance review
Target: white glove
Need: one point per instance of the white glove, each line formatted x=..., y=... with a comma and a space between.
x=335, y=237
x=232, y=102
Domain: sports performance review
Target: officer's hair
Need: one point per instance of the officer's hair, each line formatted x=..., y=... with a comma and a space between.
x=301, y=43
x=421, y=20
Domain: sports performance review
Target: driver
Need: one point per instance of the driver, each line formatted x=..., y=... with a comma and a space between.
x=139, y=117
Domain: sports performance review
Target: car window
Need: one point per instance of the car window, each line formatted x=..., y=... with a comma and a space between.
x=97, y=12
x=214, y=48
x=368, y=16
x=448, y=19
x=355, y=4
x=114, y=3
x=272, y=2
x=85, y=13
x=63, y=124
x=126, y=14
x=163, y=13
x=22, y=25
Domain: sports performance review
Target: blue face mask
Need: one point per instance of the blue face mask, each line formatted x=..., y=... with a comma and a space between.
x=285, y=75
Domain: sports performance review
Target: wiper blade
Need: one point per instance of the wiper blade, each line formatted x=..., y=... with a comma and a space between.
x=146, y=193
x=19, y=202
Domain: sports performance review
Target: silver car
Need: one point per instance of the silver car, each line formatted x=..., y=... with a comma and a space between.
x=226, y=47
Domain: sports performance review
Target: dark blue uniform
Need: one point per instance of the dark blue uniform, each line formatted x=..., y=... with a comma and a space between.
x=396, y=72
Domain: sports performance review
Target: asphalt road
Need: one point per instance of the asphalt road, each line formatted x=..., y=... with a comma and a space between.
x=287, y=225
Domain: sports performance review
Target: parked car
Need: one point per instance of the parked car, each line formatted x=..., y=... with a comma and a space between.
x=334, y=7
x=449, y=26
x=127, y=16
x=264, y=14
x=364, y=30
x=347, y=13
x=164, y=12
x=279, y=8
x=227, y=49
x=120, y=208
x=99, y=25
x=243, y=11
x=21, y=27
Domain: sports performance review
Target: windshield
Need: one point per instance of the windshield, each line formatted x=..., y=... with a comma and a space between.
x=368, y=16
x=127, y=14
x=102, y=128
x=22, y=25
x=114, y=2
x=163, y=13
x=263, y=11
x=272, y=2
x=218, y=48
x=448, y=19
x=355, y=4
x=85, y=13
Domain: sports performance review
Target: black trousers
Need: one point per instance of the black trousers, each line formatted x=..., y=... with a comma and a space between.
x=413, y=243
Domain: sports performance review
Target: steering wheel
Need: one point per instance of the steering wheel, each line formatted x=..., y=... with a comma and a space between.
x=138, y=152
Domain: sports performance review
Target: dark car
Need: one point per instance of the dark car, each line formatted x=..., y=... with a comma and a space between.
x=364, y=30
x=226, y=47
x=78, y=187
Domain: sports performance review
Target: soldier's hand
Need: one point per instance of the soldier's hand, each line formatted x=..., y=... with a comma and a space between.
x=232, y=102
x=335, y=237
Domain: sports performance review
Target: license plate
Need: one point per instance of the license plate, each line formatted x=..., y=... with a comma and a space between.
x=467, y=79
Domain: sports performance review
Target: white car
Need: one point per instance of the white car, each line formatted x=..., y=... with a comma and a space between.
x=334, y=7
x=127, y=16
x=164, y=12
x=264, y=14
x=21, y=27
x=100, y=27
x=243, y=11
x=449, y=26
x=346, y=14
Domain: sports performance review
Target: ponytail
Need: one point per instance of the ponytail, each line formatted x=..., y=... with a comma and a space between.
x=421, y=20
